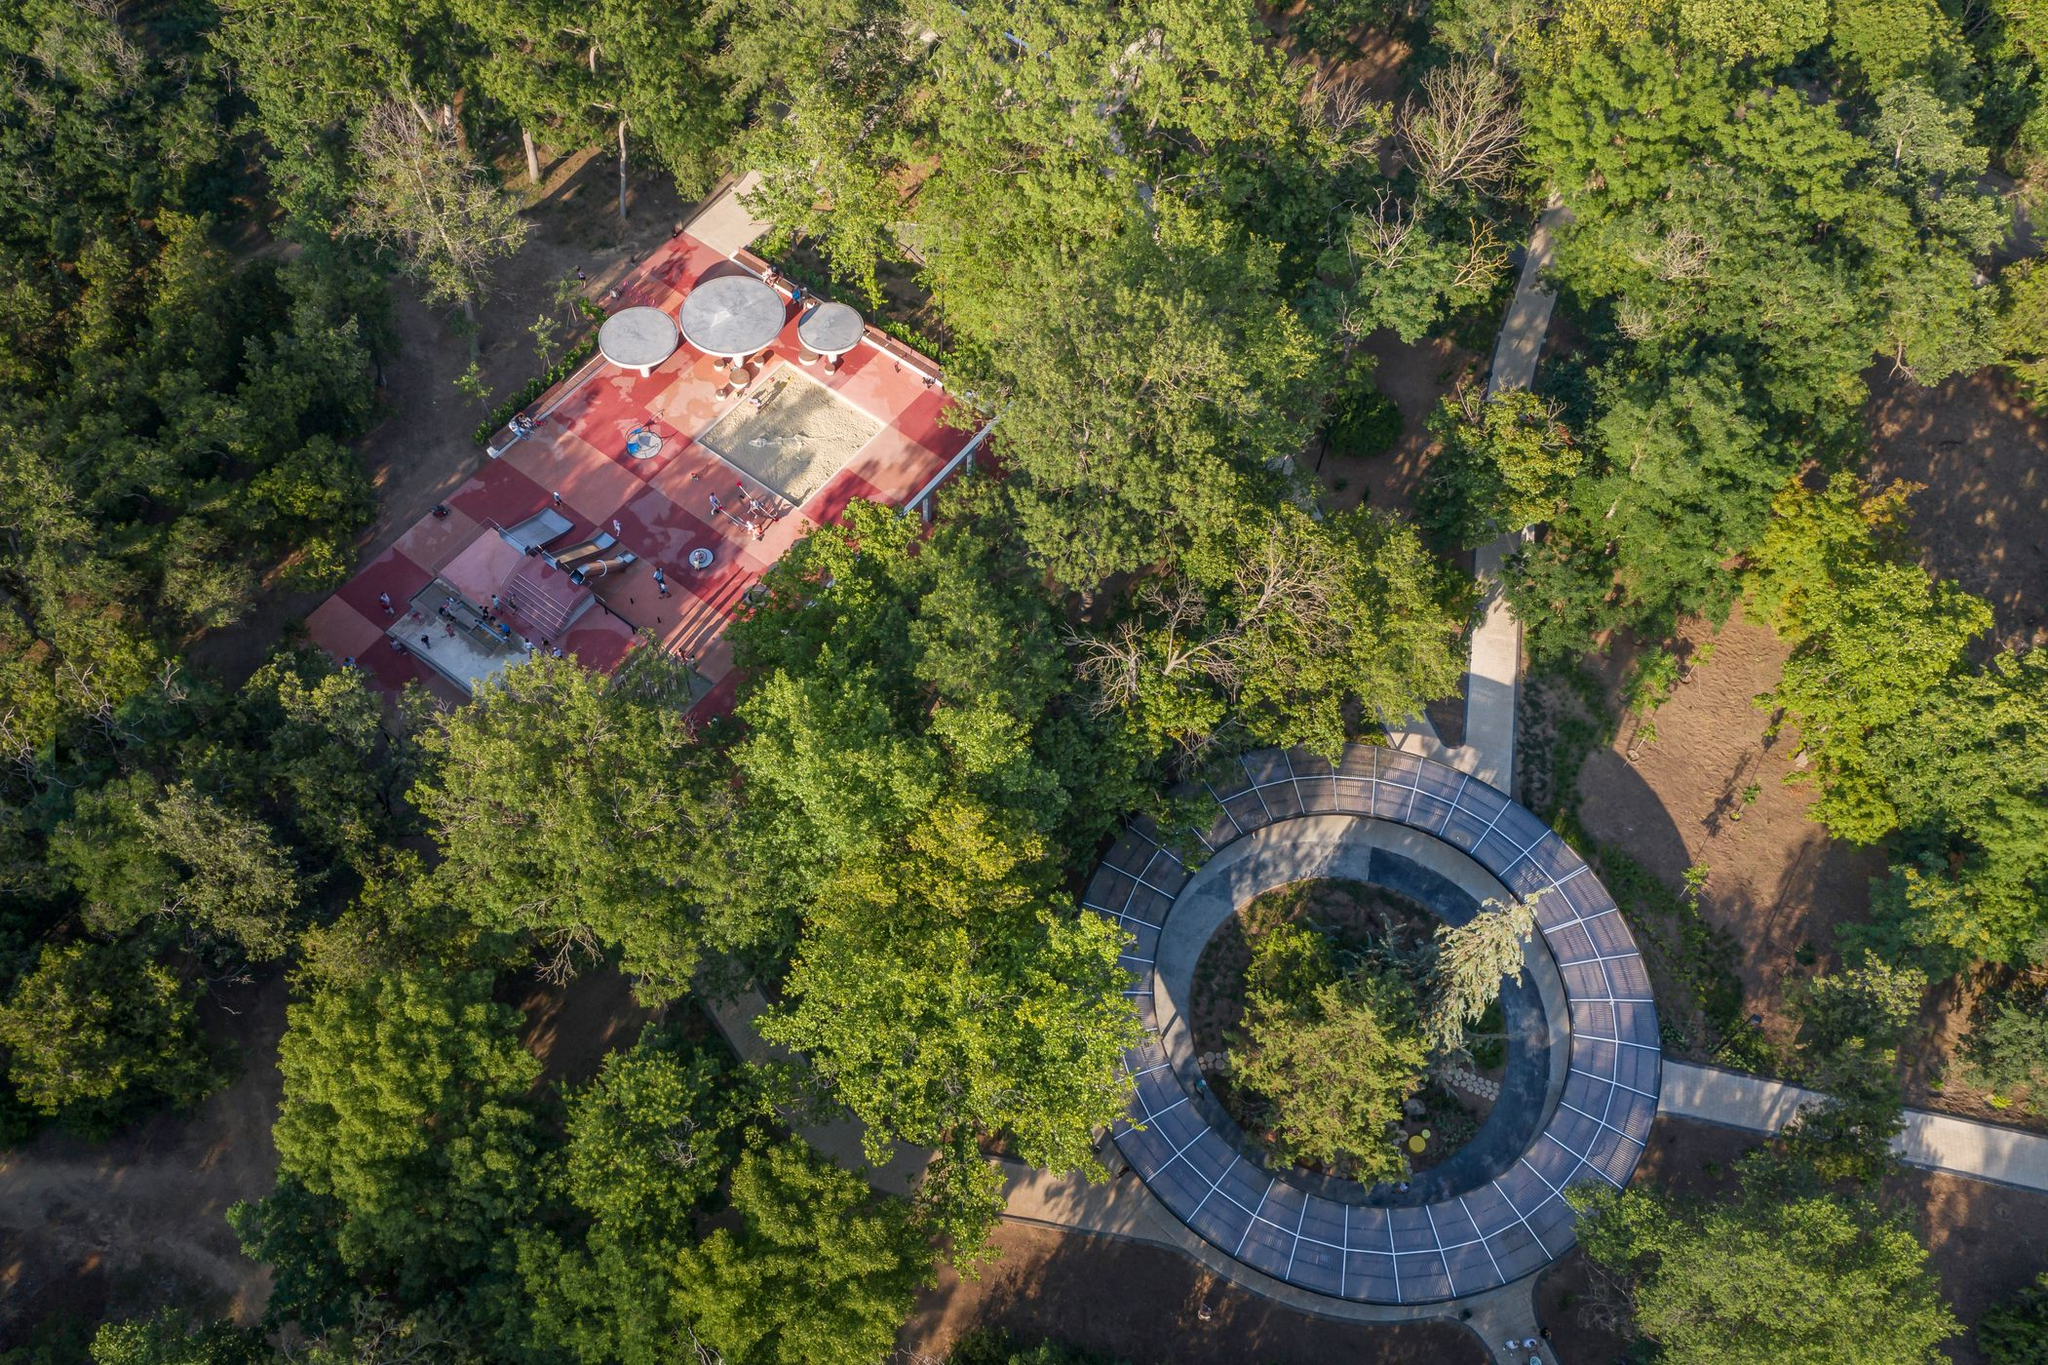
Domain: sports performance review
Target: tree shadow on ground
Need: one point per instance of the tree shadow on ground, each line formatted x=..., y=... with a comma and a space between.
x=1982, y=515
x=1143, y=1304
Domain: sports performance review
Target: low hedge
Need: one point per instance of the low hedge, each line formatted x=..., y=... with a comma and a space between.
x=535, y=387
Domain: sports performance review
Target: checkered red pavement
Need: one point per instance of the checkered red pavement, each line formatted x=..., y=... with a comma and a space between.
x=576, y=461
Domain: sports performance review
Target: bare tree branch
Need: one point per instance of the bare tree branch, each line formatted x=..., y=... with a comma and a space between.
x=1465, y=130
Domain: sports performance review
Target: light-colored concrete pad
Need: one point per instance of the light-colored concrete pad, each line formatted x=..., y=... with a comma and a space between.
x=1934, y=1142
x=724, y=224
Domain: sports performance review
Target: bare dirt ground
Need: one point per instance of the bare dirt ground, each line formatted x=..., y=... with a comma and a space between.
x=1775, y=879
x=424, y=449
x=1982, y=518
x=1984, y=1241
x=572, y=1028
x=1141, y=1304
x=118, y=1228
x=1416, y=376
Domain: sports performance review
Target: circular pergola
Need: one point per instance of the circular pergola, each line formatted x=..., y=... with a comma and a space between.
x=1580, y=1091
x=637, y=339
x=732, y=316
x=829, y=331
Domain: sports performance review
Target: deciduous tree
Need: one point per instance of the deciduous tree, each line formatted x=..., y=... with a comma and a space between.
x=571, y=805
x=820, y=1270
x=95, y=1031
x=418, y=190
x=1771, y=1275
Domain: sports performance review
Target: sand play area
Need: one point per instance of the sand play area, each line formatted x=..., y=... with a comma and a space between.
x=799, y=437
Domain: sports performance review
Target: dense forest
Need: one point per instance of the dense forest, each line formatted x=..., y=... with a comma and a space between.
x=1155, y=236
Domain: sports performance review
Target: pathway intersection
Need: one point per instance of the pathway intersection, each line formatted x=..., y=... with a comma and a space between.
x=1499, y=1312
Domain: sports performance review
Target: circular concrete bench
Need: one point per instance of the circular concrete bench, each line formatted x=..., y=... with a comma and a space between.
x=1580, y=1090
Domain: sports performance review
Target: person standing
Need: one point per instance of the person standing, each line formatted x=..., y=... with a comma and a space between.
x=384, y=601
x=660, y=580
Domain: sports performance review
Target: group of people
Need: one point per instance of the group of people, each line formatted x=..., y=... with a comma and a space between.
x=758, y=514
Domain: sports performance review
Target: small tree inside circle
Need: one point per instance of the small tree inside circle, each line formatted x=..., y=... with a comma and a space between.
x=1472, y=961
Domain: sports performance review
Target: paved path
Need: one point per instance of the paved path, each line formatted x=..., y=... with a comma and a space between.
x=724, y=224
x=838, y=1138
x=1934, y=1142
x=1488, y=752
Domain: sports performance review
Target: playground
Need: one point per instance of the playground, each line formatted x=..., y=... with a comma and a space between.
x=624, y=503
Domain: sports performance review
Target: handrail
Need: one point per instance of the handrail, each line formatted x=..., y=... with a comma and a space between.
x=965, y=456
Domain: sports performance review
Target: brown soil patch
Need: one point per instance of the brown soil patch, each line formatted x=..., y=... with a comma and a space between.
x=1982, y=518
x=122, y=1227
x=1776, y=880
x=1933, y=1074
x=1141, y=1304
x=423, y=449
x=573, y=1026
x=1984, y=1241
x=1416, y=376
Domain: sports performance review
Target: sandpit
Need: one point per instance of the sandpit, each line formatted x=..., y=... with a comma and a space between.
x=800, y=436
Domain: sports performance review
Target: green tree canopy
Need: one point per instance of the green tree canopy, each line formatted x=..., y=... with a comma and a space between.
x=94, y=1031
x=1771, y=1275
x=820, y=1269
x=649, y=1142
x=1505, y=464
x=1330, y=1058
x=572, y=805
x=1906, y=735
x=1275, y=633
x=406, y=1147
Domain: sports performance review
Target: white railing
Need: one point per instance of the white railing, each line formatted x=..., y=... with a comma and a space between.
x=923, y=501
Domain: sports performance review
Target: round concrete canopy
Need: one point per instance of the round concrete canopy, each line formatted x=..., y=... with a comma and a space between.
x=733, y=315
x=637, y=338
x=831, y=329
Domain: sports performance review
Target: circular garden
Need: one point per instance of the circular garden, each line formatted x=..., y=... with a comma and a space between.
x=1309, y=1015
x=1391, y=1021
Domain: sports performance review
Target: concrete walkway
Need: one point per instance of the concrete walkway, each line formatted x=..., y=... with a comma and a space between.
x=724, y=224
x=838, y=1138
x=1491, y=676
x=1933, y=1142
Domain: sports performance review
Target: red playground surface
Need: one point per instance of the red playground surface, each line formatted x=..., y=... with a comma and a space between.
x=575, y=462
